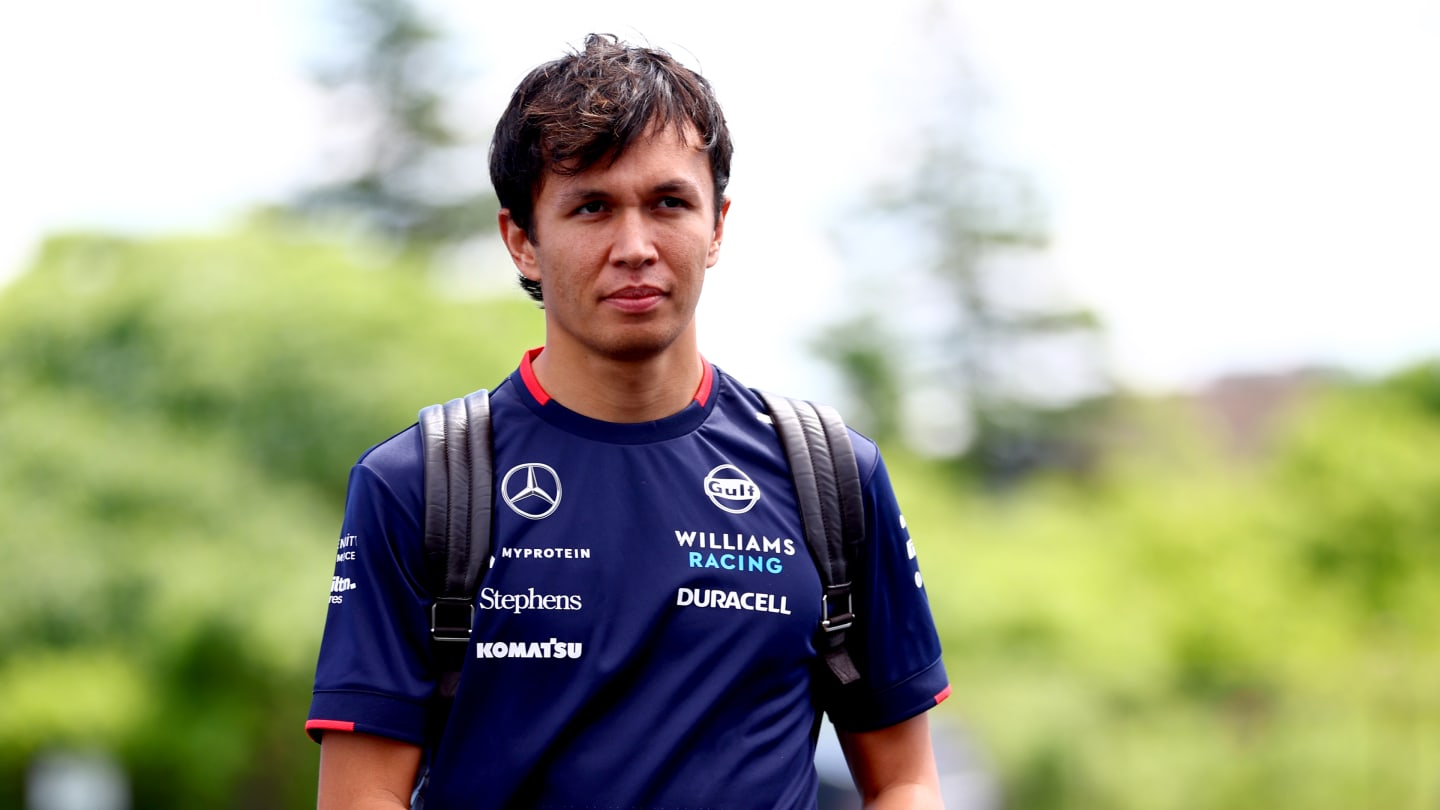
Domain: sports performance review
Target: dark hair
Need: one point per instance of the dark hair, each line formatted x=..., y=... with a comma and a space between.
x=591, y=105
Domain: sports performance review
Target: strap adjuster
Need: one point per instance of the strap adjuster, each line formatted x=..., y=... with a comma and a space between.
x=451, y=619
x=834, y=623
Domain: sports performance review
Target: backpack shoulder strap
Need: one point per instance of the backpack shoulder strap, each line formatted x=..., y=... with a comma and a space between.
x=827, y=483
x=456, y=450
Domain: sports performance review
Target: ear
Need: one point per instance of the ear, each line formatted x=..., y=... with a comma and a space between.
x=718, y=236
x=517, y=242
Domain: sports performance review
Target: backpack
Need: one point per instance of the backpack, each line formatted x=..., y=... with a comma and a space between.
x=456, y=452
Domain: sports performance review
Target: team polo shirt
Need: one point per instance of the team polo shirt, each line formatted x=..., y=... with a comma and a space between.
x=644, y=635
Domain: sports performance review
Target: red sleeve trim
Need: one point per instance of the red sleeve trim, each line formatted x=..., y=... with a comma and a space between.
x=329, y=725
x=944, y=693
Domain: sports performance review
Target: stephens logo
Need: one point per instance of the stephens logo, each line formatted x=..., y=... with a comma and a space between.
x=491, y=599
x=534, y=493
x=731, y=490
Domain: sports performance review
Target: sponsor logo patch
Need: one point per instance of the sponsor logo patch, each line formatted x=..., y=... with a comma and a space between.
x=338, y=587
x=544, y=554
x=345, y=549
x=492, y=599
x=531, y=490
x=731, y=600
x=730, y=489
x=553, y=648
x=735, y=552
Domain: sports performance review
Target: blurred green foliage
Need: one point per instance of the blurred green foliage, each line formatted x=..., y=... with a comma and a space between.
x=177, y=418
x=1189, y=630
x=1178, y=629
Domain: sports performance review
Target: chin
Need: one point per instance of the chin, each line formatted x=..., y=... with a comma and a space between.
x=639, y=347
x=635, y=352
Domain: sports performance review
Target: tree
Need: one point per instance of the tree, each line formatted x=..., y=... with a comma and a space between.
x=994, y=365
x=997, y=342
x=404, y=170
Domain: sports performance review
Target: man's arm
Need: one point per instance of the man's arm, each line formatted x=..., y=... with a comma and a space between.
x=894, y=767
x=365, y=772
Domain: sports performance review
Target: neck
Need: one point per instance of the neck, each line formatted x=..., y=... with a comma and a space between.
x=621, y=390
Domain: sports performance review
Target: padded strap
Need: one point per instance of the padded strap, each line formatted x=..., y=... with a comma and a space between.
x=455, y=446
x=827, y=484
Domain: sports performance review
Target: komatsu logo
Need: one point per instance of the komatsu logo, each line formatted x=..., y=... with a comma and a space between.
x=731, y=490
x=553, y=648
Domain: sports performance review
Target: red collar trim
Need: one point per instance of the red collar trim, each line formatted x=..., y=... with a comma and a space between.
x=707, y=382
x=527, y=373
x=532, y=383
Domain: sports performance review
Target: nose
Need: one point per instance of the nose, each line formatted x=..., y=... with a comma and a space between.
x=634, y=243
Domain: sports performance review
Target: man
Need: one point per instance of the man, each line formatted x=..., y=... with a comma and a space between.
x=644, y=637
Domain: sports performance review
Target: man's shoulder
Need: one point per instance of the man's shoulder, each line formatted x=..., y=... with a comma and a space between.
x=867, y=452
x=396, y=456
x=401, y=454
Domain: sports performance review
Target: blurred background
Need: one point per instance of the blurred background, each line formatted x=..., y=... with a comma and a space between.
x=1139, y=299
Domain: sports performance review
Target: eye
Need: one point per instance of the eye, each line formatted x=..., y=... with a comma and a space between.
x=672, y=202
x=592, y=207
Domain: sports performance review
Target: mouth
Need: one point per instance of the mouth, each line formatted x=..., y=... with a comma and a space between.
x=635, y=300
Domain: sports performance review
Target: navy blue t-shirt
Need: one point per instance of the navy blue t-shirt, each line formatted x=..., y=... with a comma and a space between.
x=644, y=636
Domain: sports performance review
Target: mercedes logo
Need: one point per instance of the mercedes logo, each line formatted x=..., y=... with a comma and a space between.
x=531, y=490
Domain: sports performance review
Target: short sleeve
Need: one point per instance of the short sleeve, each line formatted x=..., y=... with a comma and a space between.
x=374, y=673
x=893, y=642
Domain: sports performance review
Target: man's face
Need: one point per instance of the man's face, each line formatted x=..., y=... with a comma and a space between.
x=621, y=249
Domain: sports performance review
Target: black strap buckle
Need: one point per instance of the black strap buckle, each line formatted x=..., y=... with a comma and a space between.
x=451, y=619
x=834, y=623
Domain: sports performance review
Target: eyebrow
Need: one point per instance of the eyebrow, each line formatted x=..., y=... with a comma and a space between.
x=683, y=186
x=583, y=194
